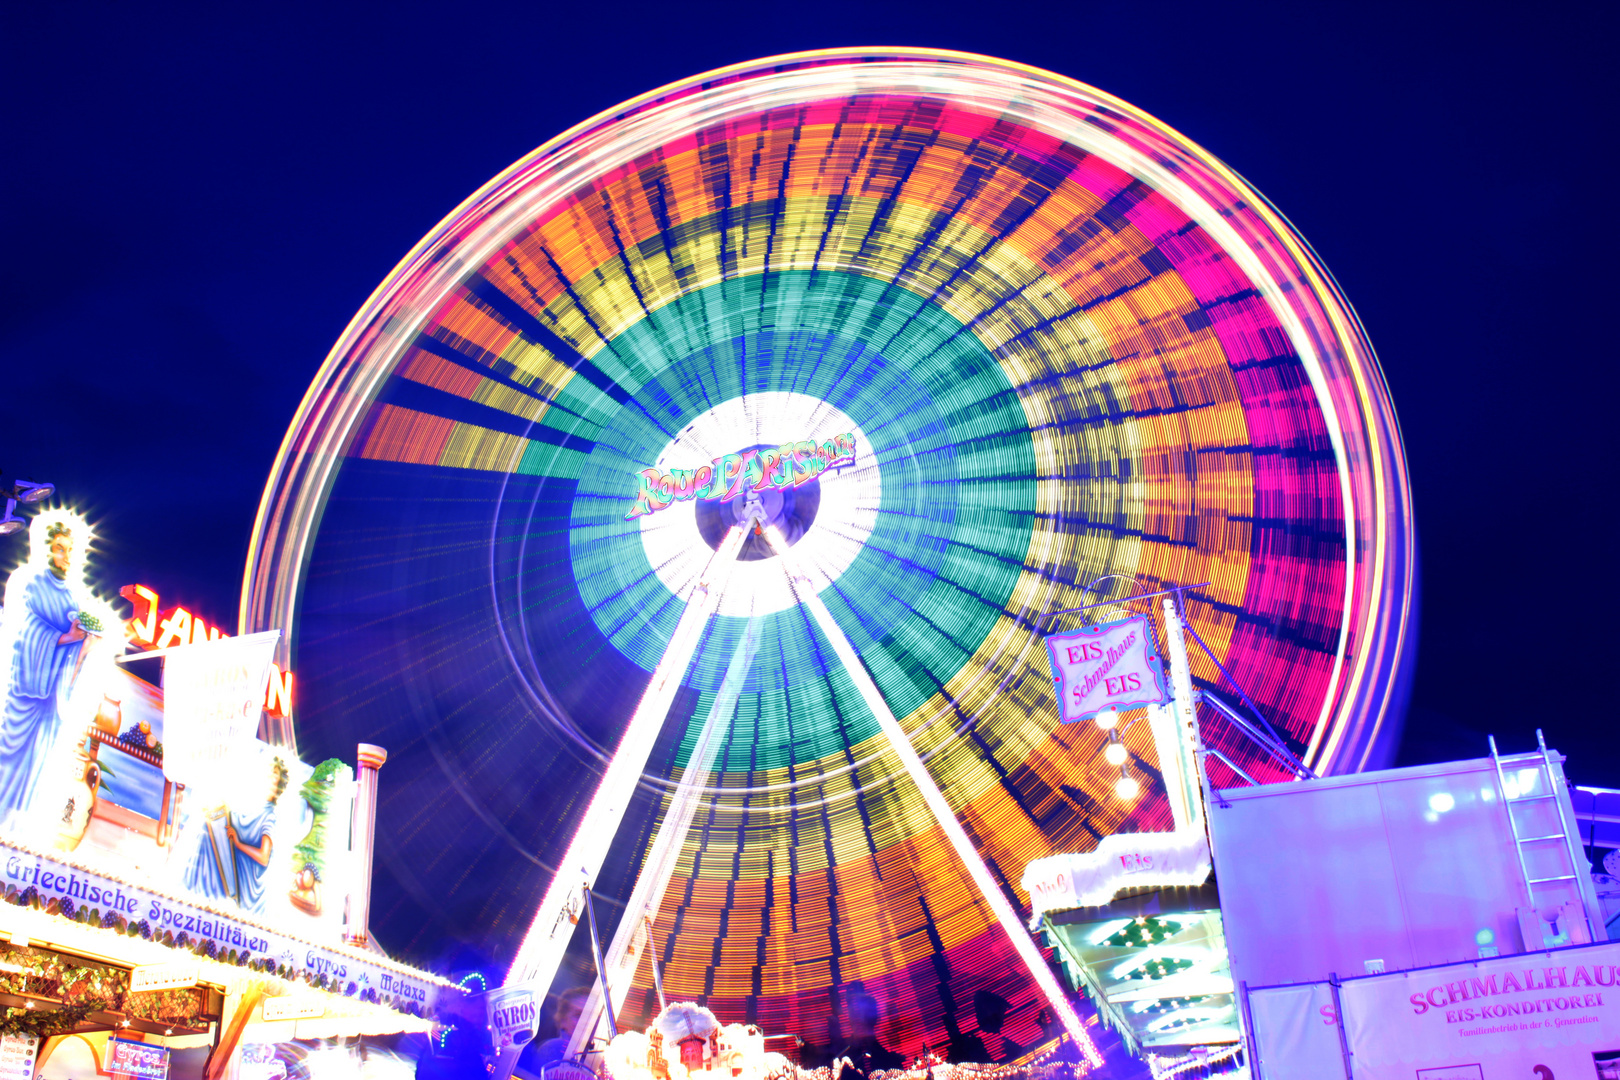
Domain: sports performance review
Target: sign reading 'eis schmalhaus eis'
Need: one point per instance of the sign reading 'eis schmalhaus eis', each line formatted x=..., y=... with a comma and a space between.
x=1113, y=666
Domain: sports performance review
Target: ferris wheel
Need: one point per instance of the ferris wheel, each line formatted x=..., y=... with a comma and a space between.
x=1075, y=358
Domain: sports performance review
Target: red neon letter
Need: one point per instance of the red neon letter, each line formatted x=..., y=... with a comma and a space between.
x=176, y=628
x=200, y=631
x=278, y=694
x=143, y=627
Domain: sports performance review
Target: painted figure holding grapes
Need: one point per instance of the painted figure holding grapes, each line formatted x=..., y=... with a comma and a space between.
x=44, y=658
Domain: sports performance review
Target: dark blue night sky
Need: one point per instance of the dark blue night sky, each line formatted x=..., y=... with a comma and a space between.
x=196, y=203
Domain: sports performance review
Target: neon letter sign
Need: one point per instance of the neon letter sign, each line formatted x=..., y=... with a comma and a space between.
x=732, y=475
x=177, y=626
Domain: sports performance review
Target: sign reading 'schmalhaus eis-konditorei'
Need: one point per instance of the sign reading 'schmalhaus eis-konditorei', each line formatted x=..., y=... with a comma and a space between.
x=732, y=476
x=1547, y=1013
x=1113, y=666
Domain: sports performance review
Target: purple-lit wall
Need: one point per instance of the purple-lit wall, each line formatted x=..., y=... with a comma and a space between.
x=1404, y=866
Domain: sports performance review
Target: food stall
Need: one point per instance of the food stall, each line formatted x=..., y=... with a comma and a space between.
x=178, y=897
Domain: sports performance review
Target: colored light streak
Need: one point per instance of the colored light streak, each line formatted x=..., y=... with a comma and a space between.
x=989, y=889
x=793, y=108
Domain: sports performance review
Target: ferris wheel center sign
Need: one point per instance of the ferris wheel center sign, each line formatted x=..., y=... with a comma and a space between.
x=1113, y=666
x=732, y=476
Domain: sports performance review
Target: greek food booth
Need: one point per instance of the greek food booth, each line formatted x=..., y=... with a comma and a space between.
x=180, y=897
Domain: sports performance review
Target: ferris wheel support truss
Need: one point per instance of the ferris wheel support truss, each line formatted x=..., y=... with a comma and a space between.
x=935, y=799
x=634, y=935
x=548, y=935
x=542, y=951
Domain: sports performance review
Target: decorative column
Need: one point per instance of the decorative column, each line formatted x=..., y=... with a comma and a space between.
x=1189, y=743
x=371, y=759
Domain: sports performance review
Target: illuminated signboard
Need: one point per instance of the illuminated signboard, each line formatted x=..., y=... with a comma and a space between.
x=160, y=628
x=167, y=788
x=259, y=1060
x=514, y=1015
x=294, y=1007
x=141, y=1061
x=17, y=1055
x=1120, y=861
x=731, y=476
x=144, y=977
x=1114, y=666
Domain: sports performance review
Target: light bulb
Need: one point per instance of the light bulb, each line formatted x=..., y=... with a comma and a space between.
x=1127, y=787
x=1107, y=719
x=1114, y=753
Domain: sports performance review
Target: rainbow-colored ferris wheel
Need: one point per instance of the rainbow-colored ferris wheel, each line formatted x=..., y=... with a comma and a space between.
x=1065, y=343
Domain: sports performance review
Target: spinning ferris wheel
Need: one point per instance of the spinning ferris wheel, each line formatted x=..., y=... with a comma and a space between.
x=1064, y=344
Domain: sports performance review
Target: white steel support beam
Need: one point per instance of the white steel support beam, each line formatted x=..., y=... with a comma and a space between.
x=543, y=946
x=1189, y=744
x=632, y=938
x=936, y=801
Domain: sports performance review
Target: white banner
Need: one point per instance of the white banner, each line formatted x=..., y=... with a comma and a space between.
x=1296, y=1031
x=163, y=976
x=1121, y=860
x=1549, y=1014
x=1553, y=1013
x=213, y=693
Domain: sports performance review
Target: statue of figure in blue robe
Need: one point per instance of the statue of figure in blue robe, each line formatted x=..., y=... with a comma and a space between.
x=248, y=840
x=42, y=666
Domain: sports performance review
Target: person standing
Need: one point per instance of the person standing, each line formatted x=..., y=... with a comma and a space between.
x=540, y=1054
x=863, y=1049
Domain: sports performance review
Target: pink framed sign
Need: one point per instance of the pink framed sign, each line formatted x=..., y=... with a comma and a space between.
x=1113, y=666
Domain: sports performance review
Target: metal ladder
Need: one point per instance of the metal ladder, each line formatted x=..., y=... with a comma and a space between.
x=1553, y=889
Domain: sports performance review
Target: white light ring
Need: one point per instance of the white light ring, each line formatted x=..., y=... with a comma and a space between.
x=850, y=499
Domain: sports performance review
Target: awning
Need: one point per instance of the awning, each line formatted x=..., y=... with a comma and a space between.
x=95, y=974
x=1155, y=962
